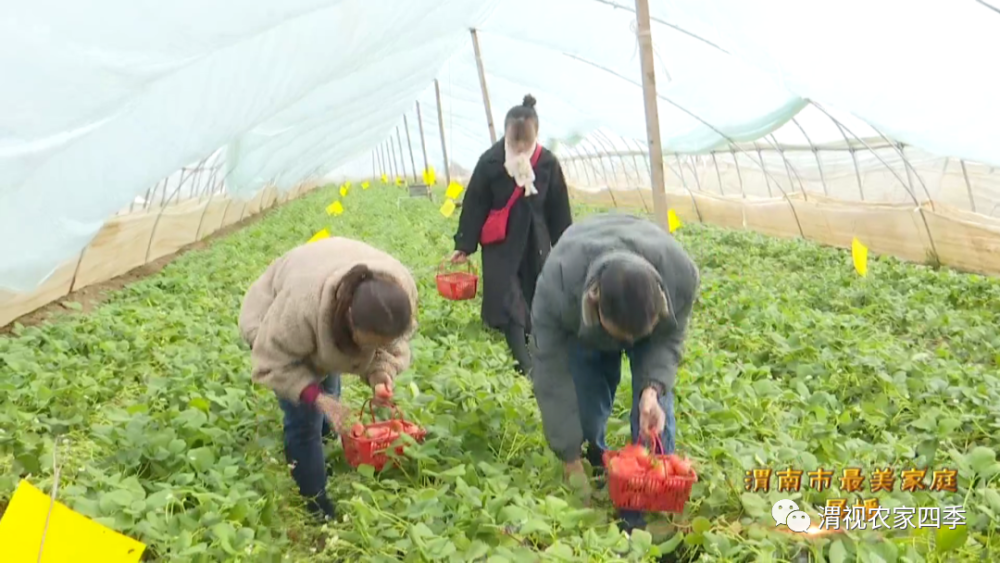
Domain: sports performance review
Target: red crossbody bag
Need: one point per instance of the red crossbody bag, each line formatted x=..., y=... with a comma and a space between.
x=495, y=226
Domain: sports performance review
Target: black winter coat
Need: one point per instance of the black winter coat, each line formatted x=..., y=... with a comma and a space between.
x=511, y=267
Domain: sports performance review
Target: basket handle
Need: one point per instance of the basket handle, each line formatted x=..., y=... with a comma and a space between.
x=655, y=443
x=468, y=263
x=396, y=413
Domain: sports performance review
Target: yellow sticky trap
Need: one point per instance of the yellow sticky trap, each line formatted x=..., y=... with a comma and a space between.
x=859, y=253
x=454, y=190
x=399, y=181
x=673, y=221
x=335, y=208
x=325, y=233
x=343, y=190
x=364, y=185
x=448, y=208
x=70, y=537
x=385, y=179
x=429, y=176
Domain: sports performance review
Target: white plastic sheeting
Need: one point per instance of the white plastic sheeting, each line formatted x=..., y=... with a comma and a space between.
x=917, y=71
x=580, y=60
x=101, y=99
x=913, y=70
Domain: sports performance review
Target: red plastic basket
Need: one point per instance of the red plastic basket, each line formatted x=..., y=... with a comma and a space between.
x=649, y=493
x=362, y=450
x=457, y=286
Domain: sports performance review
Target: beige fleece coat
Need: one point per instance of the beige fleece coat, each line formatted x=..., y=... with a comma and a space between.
x=287, y=316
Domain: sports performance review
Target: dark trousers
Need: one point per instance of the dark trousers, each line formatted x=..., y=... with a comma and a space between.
x=517, y=341
x=518, y=326
x=596, y=375
x=305, y=426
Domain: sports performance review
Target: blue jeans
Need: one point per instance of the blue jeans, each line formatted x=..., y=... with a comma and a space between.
x=596, y=375
x=305, y=426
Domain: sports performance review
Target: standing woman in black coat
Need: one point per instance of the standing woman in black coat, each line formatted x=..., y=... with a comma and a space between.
x=516, y=207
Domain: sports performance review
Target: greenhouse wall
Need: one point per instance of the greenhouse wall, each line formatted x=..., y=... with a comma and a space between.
x=185, y=208
x=897, y=200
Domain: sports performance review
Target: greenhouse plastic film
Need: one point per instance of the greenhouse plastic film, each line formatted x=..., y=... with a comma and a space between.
x=164, y=106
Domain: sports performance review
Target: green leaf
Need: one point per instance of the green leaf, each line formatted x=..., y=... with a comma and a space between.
x=982, y=460
x=120, y=497
x=700, y=525
x=946, y=539
x=534, y=525
x=670, y=545
x=476, y=550
x=838, y=553
x=87, y=507
x=202, y=459
x=159, y=499
x=200, y=404
x=641, y=540
x=753, y=504
x=457, y=471
x=578, y=481
x=561, y=551
x=513, y=514
x=992, y=498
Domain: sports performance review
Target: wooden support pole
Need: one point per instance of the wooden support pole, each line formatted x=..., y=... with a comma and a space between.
x=482, y=85
x=444, y=145
x=409, y=145
x=395, y=160
x=423, y=140
x=374, y=171
x=392, y=155
x=402, y=161
x=652, y=112
x=381, y=161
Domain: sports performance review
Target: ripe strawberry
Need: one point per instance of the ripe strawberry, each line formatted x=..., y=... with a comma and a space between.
x=662, y=468
x=635, y=451
x=681, y=467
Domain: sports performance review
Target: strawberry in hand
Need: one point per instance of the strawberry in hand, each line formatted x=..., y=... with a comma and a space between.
x=381, y=389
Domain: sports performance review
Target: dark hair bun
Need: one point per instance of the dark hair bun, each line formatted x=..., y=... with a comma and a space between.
x=529, y=101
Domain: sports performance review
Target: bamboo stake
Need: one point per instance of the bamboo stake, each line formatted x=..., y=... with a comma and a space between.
x=423, y=141
x=652, y=112
x=444, y=146
x=392, y=156
x=482, y=85
x=402, y=161
x=409, y=145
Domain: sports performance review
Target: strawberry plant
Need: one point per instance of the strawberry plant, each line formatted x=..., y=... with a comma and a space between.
x=792, y=361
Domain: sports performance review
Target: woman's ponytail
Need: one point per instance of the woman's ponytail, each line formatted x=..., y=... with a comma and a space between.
x=342, y=336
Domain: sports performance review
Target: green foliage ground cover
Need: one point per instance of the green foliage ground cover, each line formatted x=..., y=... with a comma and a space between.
x=792, y=361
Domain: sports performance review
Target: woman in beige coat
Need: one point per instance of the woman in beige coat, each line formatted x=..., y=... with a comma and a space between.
x=325, y=308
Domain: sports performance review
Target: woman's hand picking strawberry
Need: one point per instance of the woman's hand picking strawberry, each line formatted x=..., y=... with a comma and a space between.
x=381, y=389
